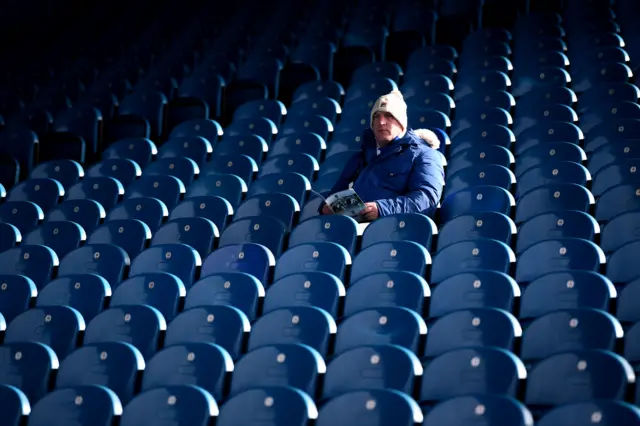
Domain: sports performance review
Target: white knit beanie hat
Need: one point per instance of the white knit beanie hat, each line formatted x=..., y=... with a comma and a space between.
x=394, y=104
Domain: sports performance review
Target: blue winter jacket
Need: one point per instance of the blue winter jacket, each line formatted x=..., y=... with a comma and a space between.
x=407, y=176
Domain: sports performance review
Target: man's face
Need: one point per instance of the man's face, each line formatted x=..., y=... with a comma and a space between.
x=385, y=127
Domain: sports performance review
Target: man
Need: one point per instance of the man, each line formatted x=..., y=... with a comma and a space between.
x=398, y=169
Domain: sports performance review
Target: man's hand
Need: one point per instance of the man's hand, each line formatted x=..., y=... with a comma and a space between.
x=326, y=209
x=370, y=211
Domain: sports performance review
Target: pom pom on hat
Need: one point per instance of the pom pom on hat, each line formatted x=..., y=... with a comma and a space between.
x=394, y=104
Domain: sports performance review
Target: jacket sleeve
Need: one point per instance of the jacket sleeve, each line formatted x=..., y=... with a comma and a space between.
x=347, y=176
x=424, y=188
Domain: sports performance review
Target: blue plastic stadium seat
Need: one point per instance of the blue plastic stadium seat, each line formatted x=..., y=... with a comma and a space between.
x=623, y=171
x=139, y=325
x=299, y=143
x=282, y=207
x=475, y=327
x=107, y=260
x=105, y=190
x=494, y=409
x=61, y=236
x=165, y=188
x=556, y=224
x=123, y=170
x=317, y=256
x=481, y=174
x=293, y=184
x=314, y=288
x=10, y=236
x=578, y=376
x=621, y=268
x=318, y=105
x=391, y=288
x=568, y=330
x=28, y=366
x=476, y=199
x=272, y=109
x=17, y=293
x=297, y=366
x=100, y=407
x=391, y=256
x=306, y=325
x=469, y=255
x=557, y=255
x=328, y=88
x=372, y=367
x=86, y=213
x=214, y=208
x=547, y=111
x=253, y=146
x=205, y=128
x=184, y=405
x=377, y=406
x=58, y=327
x=132, y=235
x=553, y=172
x=491, y=134
x=611, y=413
x=627, y=308
x=24, y=215
x=240, y=165
x=195, y=148
x=495, y=371
x=260, y=126
x=197, y=232
x=556, y=151
x=252, y=258
x=37, y=263
x=551, y=197
x=178, y=259
x=287, y=406
x=161, y=290
x=150, y=211
x=476, y=155
x=201, y=364
x=15, y=404
x=400, y=227
x=140, y=150
x=230, y=187
x=617, y=200
x=223, y=325
x=86, y=293
x=572, y=289
x=183, y=168
x=339, y=229
x=301, y=163
x=487, y=224
x=264, y=230
x=67, y=172
x=45, y=192
x=381, y=326
x=237, y=289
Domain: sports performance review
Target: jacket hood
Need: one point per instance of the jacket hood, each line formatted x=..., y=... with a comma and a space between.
x=428, y=137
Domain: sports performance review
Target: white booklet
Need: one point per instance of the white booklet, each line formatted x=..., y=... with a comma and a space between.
x=346, y=203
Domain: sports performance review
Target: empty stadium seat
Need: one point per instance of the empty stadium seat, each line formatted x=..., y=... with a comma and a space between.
x=372, y=367
x=86, y=293
x=273, y=406
x=496, y=370
x=28, y=366
x=121, y=360
x=223, y=325
x=391, y=256
x=376, y=406
x=237, y=289
x=201, y=364
x=298, y=366
x=185, y=405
